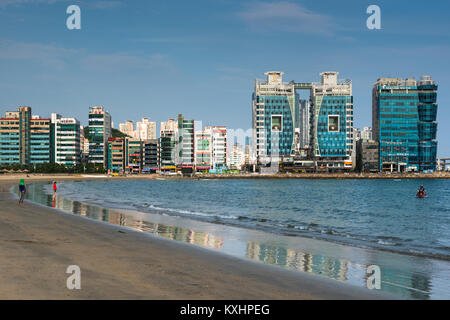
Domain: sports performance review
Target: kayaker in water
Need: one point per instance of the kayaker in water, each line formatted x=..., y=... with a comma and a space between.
x=421, y=193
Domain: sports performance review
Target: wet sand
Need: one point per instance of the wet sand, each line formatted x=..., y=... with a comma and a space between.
x=39, y=243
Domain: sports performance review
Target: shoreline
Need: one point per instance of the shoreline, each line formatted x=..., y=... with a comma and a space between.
x=319, y=176
x=50, y=241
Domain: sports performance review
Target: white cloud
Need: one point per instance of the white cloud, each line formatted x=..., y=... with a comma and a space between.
x=100, y=4
x=287, y=17
x=43, y=54
x=172, y=40
x=4, y=3
x=117, y=61
x=106, y=4
x=58, y=58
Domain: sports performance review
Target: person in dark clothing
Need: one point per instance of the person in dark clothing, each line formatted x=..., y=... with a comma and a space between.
x=421, y=192
x=22, y=190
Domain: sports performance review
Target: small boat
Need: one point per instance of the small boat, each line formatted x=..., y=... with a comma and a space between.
x=420, y=194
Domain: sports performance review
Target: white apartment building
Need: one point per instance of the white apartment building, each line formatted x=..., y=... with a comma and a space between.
x=219, y=147
x=237, y=157
x=66, y=138
x=145, y=129
x=366, y=133
x=127, y=128
x=203, y=149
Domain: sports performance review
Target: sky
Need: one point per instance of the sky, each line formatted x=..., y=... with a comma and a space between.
x=145, y=58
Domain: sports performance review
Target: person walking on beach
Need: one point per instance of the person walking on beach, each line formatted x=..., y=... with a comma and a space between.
x=22, y=190
x=54, y=189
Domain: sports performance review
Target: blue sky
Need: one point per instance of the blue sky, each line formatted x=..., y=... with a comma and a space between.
x=142, y=58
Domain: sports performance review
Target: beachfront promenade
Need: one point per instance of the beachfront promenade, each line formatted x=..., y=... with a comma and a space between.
x=39, y=243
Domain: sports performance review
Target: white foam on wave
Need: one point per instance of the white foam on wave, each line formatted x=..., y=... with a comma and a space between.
x=187, y=212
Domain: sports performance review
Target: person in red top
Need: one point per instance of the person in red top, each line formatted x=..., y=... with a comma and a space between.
x=54, y=188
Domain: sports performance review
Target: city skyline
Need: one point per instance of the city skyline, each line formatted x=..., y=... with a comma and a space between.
x=164, y=63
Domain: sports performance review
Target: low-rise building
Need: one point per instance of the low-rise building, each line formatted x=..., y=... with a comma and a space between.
x=133, y=155
x=367, y=155
x=116, y=155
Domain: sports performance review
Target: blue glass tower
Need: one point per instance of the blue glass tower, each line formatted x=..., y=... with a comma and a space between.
x=427, y=123
x=274, y=107
x=404, y=123
x=332, y=123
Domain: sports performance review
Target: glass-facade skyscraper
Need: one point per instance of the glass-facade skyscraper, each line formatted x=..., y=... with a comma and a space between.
x=185, y=142
x=274, y=104
x=99, y=132
x=331, y=125
x=427, y=123
x=404, y=123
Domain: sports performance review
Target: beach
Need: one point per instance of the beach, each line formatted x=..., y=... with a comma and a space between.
x=39, y=243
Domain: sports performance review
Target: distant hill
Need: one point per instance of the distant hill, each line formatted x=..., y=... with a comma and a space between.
x=115, y=133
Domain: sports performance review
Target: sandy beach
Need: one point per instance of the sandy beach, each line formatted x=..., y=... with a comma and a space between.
x=39, y=243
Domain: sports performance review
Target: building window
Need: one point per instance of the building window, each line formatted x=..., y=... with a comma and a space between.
x=277, y=121
x=333, y=123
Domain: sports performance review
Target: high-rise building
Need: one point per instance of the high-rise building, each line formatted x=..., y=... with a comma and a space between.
x=40, y=140
x=24, y=139
x=150, y=156
x=219, y=147
x=145, y=129
x=356, y=134
x=11, y=138
x=127, y=128
x=167, y=145
x=24, y=117
x=185, y=142
x=237, y=158
x=82, y=143
x=427, y=123
x=331, y=125
x=65, y=140
x=169, y=126
x=86, y=148
x=116, y=155
x=366, y=133
x=248, y=151
x=404, y=123
x=274, y=105
x=203, y=149
x=99, y=132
